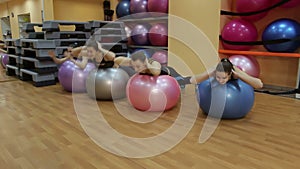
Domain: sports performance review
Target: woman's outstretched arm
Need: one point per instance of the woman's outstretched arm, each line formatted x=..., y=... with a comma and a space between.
x=203, y=76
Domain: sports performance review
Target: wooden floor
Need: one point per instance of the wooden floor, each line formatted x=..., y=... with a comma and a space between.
x=39, y=129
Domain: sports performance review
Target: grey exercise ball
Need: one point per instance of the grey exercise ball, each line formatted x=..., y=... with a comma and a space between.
x=107, y=84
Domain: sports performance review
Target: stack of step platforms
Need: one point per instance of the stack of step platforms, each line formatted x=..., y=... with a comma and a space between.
x=63, y=39
x=111, y=35
x=29, y=31
x=35, y=63
x=14, y=52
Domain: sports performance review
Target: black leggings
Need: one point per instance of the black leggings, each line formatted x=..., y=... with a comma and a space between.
x=167, y=70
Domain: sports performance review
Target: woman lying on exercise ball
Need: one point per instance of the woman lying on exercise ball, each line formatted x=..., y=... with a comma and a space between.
x=91, y=52
x=141, y=64
x=226, y=71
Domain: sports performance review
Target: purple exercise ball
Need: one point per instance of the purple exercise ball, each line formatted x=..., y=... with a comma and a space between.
x=139, y=8
x=4, y=60
x=139, y=34
x=72, y=78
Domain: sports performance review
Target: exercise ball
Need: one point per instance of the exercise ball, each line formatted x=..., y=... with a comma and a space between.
x=139, y=8
x=289, y=4
x=230, y=101
x=248, y=64
x=128, y=31
x=147, y=52
x=139, y=34
x=282, y=29
x=152, y=93
x=4, y=60
x=158, y=7
x=239, y=30
x=161, y=56
x=72, y=78
x=243, y=6
x=107, y=84
x=158, y=34
x=123, y=8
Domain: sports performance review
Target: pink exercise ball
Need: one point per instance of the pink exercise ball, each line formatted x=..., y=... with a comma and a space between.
x=289, y=4
x=72, y=78
x=252, y=6
x=152, y=93
x=158, y=34
x=161, y=56
x=239, y=30
x=158, y=7
x=247, y=64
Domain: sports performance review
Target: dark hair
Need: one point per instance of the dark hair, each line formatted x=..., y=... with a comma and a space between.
x=92, y=43
x=139, y=55
x=225, y=66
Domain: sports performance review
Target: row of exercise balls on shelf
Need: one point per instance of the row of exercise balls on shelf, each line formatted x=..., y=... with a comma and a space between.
x=243, y=6
x=240, y=30
x=3, y=60
x=140, y=8
x=147, y=34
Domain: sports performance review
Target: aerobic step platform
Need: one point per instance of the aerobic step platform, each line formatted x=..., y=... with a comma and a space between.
x=12, y=70
x=13, y=60
x=111, y=38
x=38, y=43
x=38, y=80
x=68, y=35
x=106, y=24
x=110, y=31
x=37, y=66
x=53, y=26
x=13, y=50
x=12, y=42
x=68, y=42
x=34, y=35
x=40, y=54
x=29, y=27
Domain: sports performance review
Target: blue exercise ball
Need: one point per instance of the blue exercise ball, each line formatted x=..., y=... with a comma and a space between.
x=230, y=101
x=282, y=29
x=123, y=8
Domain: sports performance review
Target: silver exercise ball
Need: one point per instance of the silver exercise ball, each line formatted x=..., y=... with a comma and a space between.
x=107, y=84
